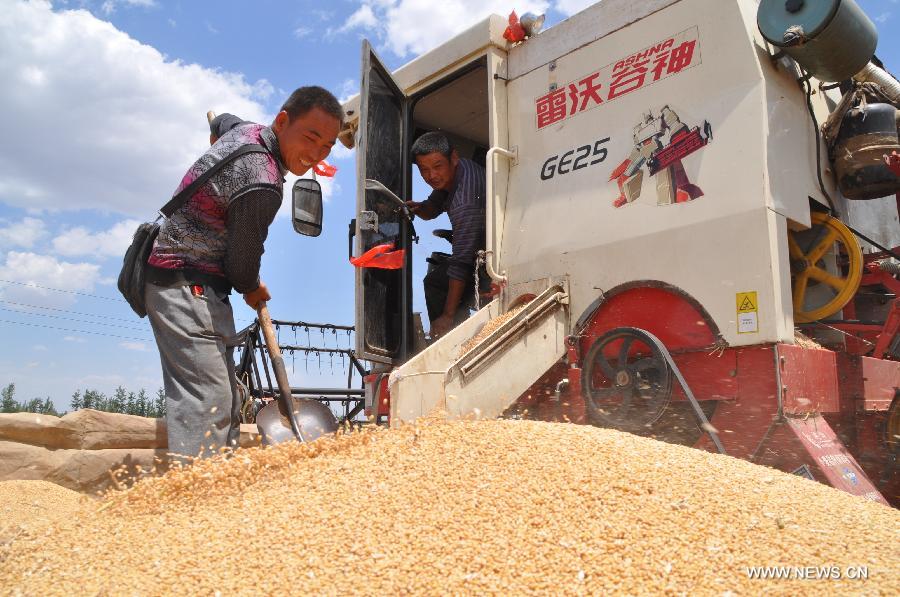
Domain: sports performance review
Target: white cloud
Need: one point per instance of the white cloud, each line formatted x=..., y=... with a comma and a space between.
x=24, y=233
x=262, y=89
x=77, y=339
x=109, y=6
x=323, y=15
x=363, y=17
x=101, y=120
x=39, y=348
x=29, y=278
x=349, y=88
x=108, y=243
x=883, y=17
x=342, y=153
x=99, y=382
x=570, y=7
x=414, y=26
x=136, y=346
x=302, y=31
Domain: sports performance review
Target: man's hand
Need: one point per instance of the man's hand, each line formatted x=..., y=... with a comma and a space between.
x=413, y=207
x=441, y=326
x=254, y=297
x=423, y=209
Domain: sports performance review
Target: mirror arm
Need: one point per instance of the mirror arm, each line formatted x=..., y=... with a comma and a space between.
x=374, y=185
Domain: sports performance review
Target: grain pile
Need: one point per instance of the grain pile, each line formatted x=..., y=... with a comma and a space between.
x=489, y=507
x=489, y=328
x=804, y=341
x=29, y=507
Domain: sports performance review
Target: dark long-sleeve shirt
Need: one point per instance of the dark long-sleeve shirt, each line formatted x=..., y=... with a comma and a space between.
x=465, y=206
x=249, y=218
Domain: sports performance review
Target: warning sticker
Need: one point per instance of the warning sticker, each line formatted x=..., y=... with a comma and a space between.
x=747, y=313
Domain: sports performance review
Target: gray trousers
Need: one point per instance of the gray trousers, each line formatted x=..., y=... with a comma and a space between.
x=196, y=339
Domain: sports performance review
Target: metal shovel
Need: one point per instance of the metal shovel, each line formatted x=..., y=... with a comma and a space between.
x=289, y=417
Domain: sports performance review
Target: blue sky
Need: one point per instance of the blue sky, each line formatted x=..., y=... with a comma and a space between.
x=104, y=107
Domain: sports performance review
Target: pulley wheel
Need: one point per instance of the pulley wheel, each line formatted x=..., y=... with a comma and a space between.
x=810, y=280
x=626, y=381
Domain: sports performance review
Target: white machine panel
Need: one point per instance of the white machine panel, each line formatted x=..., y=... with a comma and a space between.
x=644, y=156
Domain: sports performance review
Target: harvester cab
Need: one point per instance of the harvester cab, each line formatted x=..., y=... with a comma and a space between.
x=691, y=217
x=389, y=116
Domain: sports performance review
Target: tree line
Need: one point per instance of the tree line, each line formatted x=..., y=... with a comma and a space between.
x=121, y=401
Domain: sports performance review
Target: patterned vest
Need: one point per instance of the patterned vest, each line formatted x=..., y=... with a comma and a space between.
x=195, y=237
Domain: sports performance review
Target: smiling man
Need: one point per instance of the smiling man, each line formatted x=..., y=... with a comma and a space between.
x=213, y=243
x=459, y=190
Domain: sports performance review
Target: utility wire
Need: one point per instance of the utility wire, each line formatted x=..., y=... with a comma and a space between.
x=51, y=327
x=113, y=325
x=101, y=316
x=32, y=285
x=87, y=294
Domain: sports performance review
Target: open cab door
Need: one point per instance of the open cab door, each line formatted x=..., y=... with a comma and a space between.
x=383, y=296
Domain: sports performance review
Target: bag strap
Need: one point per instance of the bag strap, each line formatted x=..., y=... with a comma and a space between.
x=181, y=198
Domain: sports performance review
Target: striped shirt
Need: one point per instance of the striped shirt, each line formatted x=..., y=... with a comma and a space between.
x=464, y=204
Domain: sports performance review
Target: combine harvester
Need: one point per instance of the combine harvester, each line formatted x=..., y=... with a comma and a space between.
x=676, y=189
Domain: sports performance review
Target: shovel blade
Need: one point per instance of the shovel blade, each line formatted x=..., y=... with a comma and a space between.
x=315, y=420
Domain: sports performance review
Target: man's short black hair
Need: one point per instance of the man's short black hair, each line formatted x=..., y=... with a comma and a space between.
x=433, y=142
x=305, y=99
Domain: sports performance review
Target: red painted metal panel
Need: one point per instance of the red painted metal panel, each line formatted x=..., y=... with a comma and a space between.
x=672, y=317
x=378, y=396
x=710, y=376
x=810, y=446
x=743, y=423
x=809, y=380
x=832, y=459
x=874, y=456
x=881, y=380
x=867, y=384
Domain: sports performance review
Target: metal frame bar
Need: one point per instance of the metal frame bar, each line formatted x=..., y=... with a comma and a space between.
x=352, y=399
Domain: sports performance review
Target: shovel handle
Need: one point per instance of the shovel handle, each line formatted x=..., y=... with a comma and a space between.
x=284, y=386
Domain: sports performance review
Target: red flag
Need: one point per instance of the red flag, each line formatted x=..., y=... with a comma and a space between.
x=323, y=168
x=381, y=257
x=515, y=32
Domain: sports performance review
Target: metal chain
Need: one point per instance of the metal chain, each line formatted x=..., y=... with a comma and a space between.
x=479, y=261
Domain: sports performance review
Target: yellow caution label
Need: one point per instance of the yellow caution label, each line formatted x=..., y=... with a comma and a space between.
x=747, y=313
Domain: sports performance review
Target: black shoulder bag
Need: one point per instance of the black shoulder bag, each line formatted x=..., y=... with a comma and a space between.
x=134, y=266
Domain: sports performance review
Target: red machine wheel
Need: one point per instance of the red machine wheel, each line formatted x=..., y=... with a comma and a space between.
x=626, y=381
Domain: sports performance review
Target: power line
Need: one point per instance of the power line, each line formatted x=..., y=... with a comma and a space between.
x=112, y=325
x=51, y=327
x=97, y=296
x=33, y=285
x=130, y=320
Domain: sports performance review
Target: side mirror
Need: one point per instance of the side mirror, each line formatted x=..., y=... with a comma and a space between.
x=307, y=207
